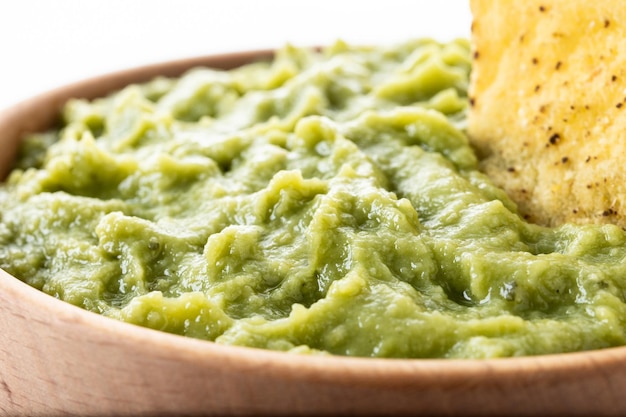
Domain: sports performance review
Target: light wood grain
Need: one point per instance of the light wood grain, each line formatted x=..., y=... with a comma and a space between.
x=56, y=359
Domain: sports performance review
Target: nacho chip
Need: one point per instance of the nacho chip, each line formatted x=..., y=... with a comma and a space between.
x=548, y=115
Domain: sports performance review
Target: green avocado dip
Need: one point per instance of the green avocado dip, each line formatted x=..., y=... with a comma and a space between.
x=325, y=202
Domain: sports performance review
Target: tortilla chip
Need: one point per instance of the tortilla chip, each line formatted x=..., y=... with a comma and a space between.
x=548, y=114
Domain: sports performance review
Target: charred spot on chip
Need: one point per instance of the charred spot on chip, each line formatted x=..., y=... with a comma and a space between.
x=554, y=139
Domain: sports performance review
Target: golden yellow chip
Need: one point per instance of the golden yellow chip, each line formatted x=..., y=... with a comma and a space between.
x=548, y=115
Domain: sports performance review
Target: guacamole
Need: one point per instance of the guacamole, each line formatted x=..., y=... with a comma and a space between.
x=326, y=202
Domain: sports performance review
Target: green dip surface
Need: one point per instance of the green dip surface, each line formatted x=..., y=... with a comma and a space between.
x=324, y=202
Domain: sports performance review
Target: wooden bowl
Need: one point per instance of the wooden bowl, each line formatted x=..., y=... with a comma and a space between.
x=57, y=359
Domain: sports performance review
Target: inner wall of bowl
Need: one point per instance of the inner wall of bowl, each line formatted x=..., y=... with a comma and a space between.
x=9, y=148
x=14, y=124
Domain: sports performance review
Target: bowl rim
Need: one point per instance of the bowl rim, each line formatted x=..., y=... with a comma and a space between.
x=358, y=370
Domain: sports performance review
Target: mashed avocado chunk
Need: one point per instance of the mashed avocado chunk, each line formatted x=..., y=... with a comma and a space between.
x=325, y=202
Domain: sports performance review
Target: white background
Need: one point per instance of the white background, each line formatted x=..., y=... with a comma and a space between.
x=49, y=43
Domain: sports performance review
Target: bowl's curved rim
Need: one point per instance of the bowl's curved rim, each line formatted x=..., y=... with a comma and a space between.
x=368, y=371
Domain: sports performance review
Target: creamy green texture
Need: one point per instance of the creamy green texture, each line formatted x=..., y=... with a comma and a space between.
x=321, y=202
